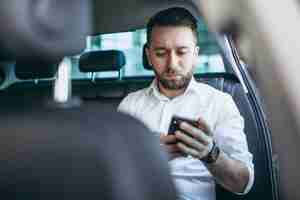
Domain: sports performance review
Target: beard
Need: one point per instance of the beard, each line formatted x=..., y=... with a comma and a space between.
x=180, y=82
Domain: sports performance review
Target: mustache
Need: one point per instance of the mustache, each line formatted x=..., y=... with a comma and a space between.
x=173, y=72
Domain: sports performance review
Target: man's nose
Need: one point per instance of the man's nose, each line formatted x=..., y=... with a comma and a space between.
x=173, y=61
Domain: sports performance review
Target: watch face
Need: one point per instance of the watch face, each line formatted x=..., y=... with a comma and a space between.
x=212, y=155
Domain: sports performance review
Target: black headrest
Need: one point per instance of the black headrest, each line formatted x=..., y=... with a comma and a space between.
x=2, y=76
x=145, y=59
x=97, y=61
x=43, y=29
x=37, y=69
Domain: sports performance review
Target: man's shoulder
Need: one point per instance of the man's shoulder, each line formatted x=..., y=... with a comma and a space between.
x=211, y=91
x=131, y=100
x=137, y=94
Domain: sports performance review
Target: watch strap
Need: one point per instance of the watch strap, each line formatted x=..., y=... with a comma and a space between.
x=213, y=155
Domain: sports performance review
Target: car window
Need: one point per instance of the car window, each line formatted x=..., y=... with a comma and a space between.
x=131, y=43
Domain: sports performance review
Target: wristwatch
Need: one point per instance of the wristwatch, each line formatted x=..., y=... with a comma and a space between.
x=213, y=155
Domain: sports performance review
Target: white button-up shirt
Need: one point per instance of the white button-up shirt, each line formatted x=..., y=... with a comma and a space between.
x=218, y=109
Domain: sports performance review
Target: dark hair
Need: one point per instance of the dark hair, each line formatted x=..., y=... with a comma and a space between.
x=176, y=16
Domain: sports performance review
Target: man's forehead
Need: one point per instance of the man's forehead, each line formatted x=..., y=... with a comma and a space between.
x=167, y=44
x=175, y=36
x=157, y=48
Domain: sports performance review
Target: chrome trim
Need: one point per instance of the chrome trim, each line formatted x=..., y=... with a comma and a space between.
x=62, y=85
x=225, y=45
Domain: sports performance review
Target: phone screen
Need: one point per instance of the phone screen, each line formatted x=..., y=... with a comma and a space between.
x=175, y=121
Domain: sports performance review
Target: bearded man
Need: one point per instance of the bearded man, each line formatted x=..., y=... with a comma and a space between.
x=213, y=150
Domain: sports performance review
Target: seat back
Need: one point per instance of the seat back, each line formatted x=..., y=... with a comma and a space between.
x=89, y=151
x=262, y=187
x=77, y=153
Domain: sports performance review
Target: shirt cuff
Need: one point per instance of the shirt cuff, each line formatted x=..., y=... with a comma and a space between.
x=250, y=181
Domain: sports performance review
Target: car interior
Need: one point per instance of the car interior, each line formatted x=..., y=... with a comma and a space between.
x=101, y=75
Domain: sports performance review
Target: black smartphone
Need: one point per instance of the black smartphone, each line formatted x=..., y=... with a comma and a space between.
x=175, y=121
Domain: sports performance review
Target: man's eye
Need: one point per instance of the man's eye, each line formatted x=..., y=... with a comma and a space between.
x=160, y=54
x=181, y=53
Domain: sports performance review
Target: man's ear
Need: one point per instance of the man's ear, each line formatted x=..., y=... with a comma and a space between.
x=197, y=50
x=196, y=56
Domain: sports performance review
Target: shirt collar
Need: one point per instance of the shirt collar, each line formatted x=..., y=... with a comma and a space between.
x=153, y=90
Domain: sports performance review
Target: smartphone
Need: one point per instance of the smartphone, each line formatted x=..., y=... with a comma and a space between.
x=175, y=121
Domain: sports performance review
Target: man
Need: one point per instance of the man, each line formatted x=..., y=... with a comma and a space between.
x=216, y=148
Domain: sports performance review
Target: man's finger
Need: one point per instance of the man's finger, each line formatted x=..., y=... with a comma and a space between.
x=167, y=139
x=173, y=151
x=187, y=150
x=191, y=142
x=191, y=151
x=197, y=133
x=172, y=148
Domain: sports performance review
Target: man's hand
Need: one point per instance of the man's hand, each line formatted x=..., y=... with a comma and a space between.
x=170, y=144
x=198, y=142
x=195, y=141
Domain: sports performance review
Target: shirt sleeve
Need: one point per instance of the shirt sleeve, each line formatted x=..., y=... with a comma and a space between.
x=124, y=106
x=230, y=136
x=128, y=105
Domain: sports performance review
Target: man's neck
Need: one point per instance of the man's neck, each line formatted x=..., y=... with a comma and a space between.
x=170, y=93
